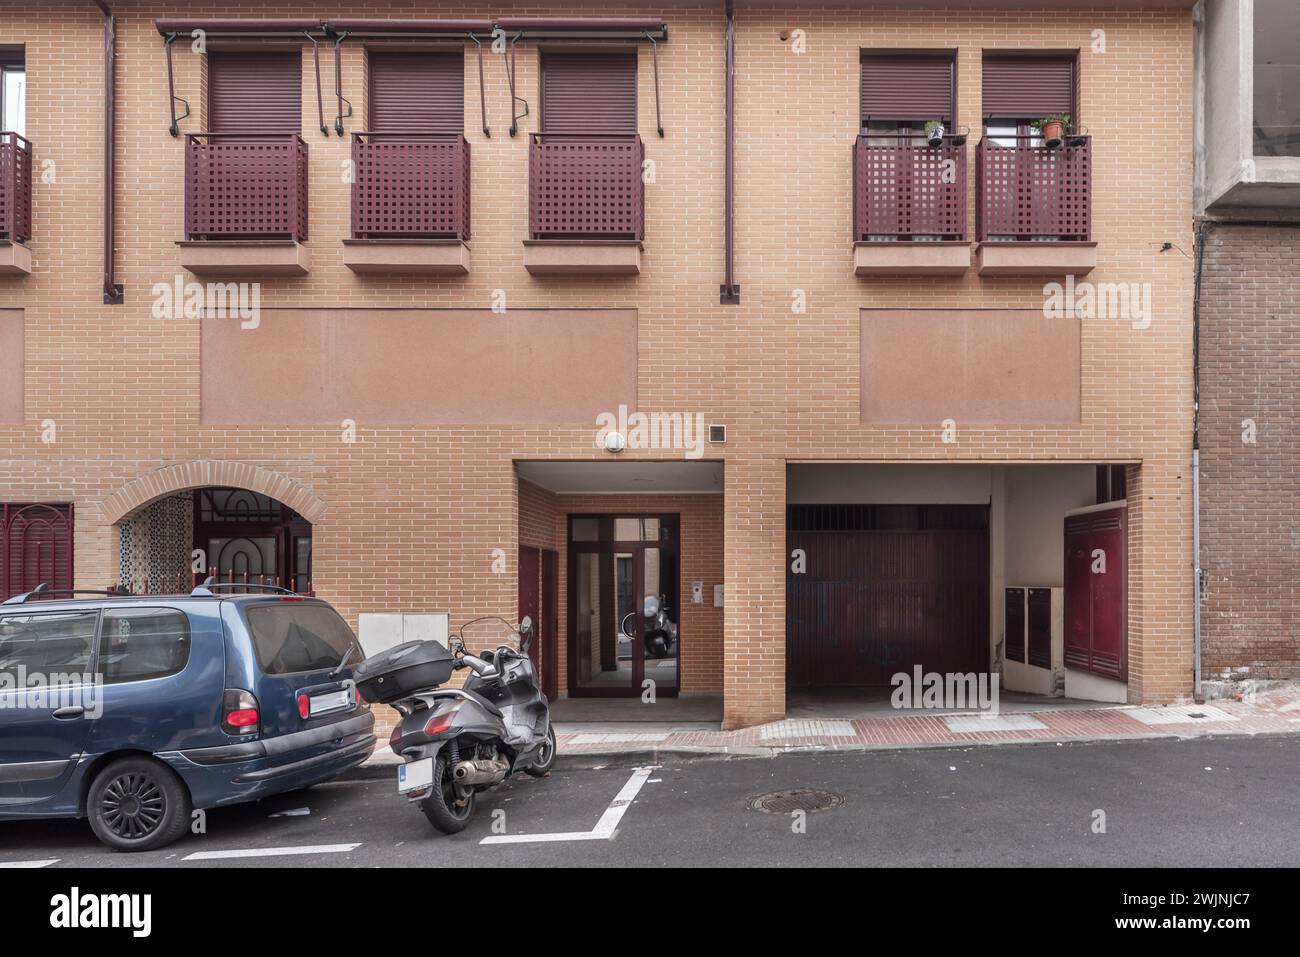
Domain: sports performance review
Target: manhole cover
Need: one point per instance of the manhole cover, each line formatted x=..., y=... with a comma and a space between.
x=799, y=799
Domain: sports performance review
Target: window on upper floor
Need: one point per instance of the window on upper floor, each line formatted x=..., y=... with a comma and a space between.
x=255, y=91
x=901, y=91
x=13, y=93
x=1021, y=90
x=589, y=93
x=417, y=93
x=1276, y=120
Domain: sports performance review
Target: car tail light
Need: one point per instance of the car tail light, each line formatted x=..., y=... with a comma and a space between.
x=239, y=712
x=395, y=737
x=304, y=706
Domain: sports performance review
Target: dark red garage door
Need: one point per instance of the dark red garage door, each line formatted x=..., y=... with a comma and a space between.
x=886, y=588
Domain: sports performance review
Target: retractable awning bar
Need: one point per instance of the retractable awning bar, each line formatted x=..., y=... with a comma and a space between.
x=241, y=28
x=610, y=28
x=430, y=29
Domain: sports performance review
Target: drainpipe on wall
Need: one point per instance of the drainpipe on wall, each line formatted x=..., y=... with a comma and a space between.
x=729, y=292
x=113, y=293
x=1202, y=233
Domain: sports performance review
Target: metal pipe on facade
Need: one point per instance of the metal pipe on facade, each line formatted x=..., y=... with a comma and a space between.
x=729, y=291
x=113, y=293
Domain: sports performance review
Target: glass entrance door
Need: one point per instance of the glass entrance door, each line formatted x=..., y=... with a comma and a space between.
x=624, y=591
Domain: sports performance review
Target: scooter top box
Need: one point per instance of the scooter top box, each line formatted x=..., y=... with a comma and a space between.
x=403, y=670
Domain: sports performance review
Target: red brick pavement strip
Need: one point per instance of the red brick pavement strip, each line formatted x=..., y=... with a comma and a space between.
x=1263, y=715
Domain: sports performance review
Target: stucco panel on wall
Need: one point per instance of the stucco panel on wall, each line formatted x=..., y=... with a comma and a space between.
x=410, y=366
x=11, y=366
x=974, y=366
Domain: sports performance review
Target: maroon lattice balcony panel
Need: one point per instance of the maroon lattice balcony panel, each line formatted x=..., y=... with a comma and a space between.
x=410, y=186
x=15, y=188
x=240, y=186
x=586, y=187
x=1033, y=192
x=909, y=191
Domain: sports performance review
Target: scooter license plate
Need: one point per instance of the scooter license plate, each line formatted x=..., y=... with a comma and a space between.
x=416, y=775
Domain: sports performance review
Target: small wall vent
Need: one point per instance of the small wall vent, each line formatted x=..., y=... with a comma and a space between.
x=717, y=434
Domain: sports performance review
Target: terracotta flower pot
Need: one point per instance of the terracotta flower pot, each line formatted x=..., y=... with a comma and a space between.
x=1053, y=131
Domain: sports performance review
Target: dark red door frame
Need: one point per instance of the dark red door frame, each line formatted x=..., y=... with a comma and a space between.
x=637, y=550
x=549, y=626
x=530, y=569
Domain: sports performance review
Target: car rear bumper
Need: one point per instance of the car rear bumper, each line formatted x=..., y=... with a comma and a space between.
x=230, y=774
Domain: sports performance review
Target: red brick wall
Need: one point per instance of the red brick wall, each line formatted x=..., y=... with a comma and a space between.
x=1250, y=492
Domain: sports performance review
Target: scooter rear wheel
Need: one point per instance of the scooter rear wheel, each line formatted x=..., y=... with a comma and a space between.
x=446, y=810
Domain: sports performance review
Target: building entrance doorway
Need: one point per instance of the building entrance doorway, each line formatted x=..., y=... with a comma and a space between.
x=624, y=605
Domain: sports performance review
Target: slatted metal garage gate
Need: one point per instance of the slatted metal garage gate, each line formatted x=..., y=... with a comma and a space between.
x=884, y=588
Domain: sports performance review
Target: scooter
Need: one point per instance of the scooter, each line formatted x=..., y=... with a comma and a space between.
x=456, y=742
x=660, y=630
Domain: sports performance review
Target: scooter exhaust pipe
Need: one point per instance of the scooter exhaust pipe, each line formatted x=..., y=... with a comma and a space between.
x=480, y=772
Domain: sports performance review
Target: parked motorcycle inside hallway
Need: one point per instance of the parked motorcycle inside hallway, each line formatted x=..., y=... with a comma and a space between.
x=456, y=742
x=660, y=630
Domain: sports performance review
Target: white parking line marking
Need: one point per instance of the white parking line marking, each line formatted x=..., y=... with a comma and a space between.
x=52, y=860
x=272, y=852
x=605, y=828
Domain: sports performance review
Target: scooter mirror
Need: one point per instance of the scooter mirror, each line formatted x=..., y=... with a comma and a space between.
x=651, y=606
x=526, y=626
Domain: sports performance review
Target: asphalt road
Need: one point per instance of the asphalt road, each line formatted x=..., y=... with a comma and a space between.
x=1218, y=802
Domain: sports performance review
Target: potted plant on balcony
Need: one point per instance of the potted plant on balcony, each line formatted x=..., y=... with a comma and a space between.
x=1052, y=129
x=934, y=133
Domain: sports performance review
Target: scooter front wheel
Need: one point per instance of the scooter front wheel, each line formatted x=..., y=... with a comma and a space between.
x=545, y=757
x=448, y=807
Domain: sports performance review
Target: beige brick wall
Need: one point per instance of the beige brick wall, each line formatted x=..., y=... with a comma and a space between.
x=410, y=517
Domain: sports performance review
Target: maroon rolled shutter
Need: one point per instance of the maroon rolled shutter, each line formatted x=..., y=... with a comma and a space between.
x=417, y=92
x=589, y=92
x=906, y=87
x=1028, y=87
x=35, y=547
x=255, y=91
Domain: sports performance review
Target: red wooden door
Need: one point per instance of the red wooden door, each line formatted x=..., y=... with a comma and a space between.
x=530, y=562
x=1096, y=592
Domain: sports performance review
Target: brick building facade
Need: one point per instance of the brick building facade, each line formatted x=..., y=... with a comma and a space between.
x=413, y=497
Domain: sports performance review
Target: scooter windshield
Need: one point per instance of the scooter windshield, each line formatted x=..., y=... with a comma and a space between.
x=488, y=634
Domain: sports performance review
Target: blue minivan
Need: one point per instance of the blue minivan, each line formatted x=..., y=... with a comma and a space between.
x=134, y=711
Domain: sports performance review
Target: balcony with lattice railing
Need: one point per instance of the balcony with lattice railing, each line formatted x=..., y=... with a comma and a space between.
x=1033, y=211
x=15, y=203
x=410, y=187
x=909, y=207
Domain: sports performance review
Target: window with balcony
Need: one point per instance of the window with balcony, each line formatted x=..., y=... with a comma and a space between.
x=909, y=167
x=411, y=186
x=246, y=178
x=584, y=169
x=1033, y=169
x=15, y=167
x=1277, y=78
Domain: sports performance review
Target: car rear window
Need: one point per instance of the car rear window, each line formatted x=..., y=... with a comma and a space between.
x=140, y=643
x=46, y=648
x=290, y=637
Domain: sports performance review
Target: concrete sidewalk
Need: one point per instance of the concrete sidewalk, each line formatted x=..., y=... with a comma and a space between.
x=1276, y=711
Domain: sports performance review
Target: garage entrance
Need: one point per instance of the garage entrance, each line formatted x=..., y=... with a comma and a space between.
x=873, y=590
